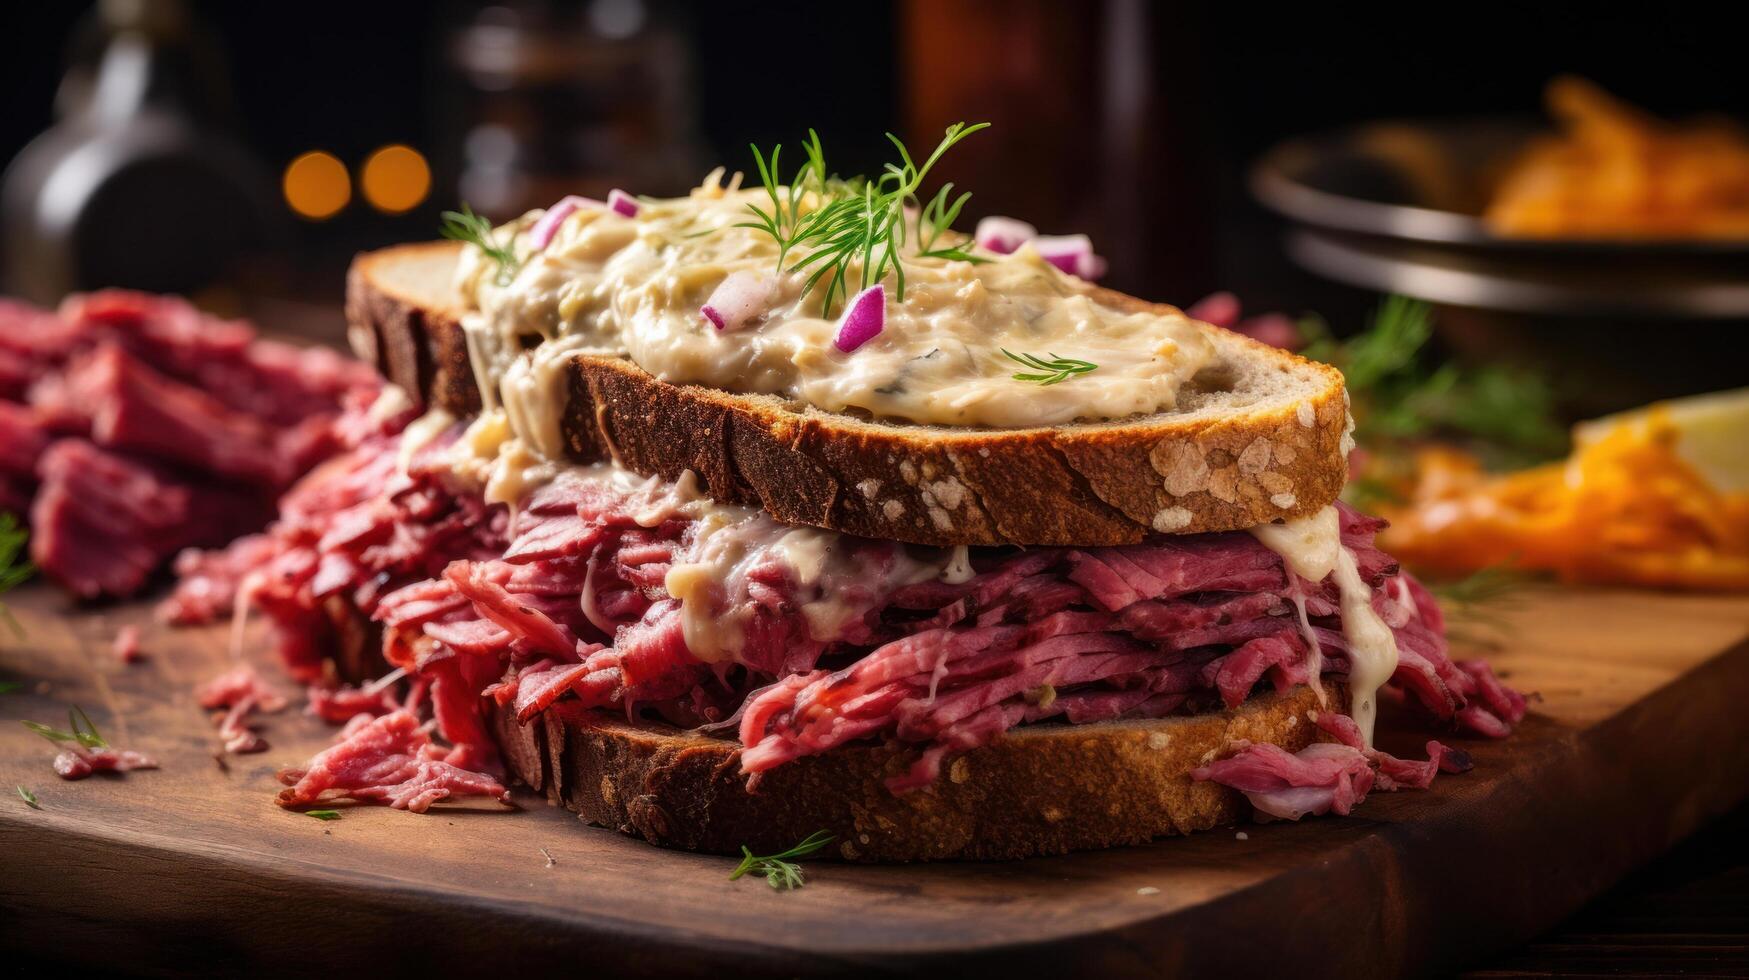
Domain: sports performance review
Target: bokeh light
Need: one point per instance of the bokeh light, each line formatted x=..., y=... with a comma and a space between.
x=395, y=179
x=316, y=185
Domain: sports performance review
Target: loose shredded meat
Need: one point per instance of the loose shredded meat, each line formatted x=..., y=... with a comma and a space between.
x=77, y=762
x=126, y=645
x=569, y=601
x=133, y=426
x=390, y=761
x=242, y=692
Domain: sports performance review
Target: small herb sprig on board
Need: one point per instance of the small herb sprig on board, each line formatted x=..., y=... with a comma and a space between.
x=1507, y=413
x=779, y=872
x=858, y=222
x=323, y=815
x=29, y=798
x=81, y=730
x=475, y=230
x=13, y=571
x=1048, y=372
x=1474, y=605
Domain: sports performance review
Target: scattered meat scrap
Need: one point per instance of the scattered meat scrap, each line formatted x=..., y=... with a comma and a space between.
x=390, y=761
x=127, y=645
x=77, y=762
x=242, y=692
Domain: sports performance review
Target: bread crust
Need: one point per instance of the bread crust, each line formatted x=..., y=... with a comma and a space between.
x=1095, y=484
x=1038, y=790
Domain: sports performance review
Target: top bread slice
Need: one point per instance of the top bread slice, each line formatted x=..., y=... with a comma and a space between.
x=1257, y=436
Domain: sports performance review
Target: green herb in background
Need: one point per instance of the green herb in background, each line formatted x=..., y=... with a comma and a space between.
x=466, y=226
x=1053, y=371
x=1473, y=604
x=779, y=872
x=1506, y=414
x=13, y=571
x=856, y=221
x=323, y=815
x=81, y=730
x=7, y=687
x=29, y=798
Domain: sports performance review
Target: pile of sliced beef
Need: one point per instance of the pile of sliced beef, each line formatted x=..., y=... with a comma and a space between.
x=567, y=600
x=133, y=426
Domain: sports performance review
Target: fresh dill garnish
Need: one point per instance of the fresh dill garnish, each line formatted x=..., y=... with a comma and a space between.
x=7, y=687
x=475, y=230
x=323, y=814
x=1474, y=605
x=856, y=221
x=779, y=872
x=1507, y=413
x=81, y=730
x=29, y=798
x=13, y=572
x=1054, y=371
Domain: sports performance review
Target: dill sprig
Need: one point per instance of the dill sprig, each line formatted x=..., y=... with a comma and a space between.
x=13, y=572
x=779, y=872
x=1506, y=412
x=323, y=815
x=475, y=230
x=29, y=798
x=1054, y=371
x=1475, y=605
x=855, y=221
x=81, y=730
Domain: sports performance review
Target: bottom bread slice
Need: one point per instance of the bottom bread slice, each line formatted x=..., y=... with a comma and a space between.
x=1044, y=789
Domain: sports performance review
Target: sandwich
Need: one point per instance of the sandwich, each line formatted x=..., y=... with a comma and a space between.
x=728, y=519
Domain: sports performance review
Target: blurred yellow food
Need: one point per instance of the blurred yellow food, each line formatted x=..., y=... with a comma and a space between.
x=1616, y=172
x=1657, y=497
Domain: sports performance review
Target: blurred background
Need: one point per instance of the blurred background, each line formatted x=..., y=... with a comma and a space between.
x=242, y=153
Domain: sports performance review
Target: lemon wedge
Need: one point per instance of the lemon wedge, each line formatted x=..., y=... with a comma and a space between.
x=1712, y=433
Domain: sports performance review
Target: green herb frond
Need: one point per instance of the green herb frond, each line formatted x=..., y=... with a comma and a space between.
x=13, y=570
x=476, y=230
x=780, y=873
x=854, y=222
x=1048, y=372
x=29, y=798
x=1508, y=413
x=80, y=729
x=323, y=815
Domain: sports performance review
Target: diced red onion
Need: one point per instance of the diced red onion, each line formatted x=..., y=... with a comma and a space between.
x=1003, y=235
x=863, y=319
x=619, y=202
x=541, y=235
x=1071, y=253
x=1221, y=309
x=740, y=297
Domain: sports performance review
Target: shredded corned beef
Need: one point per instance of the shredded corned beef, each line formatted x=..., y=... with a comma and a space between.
x=389, y=760
x=134, y=426
x=77, y=761
x=127, y=645
x=341, y=703
x=569, y=601
x=242, y=692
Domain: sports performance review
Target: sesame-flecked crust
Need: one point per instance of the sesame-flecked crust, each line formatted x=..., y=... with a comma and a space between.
x=1039, y=790
x=1091, y=484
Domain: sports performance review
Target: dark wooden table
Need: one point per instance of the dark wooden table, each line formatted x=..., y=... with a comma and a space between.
x=1685, y=915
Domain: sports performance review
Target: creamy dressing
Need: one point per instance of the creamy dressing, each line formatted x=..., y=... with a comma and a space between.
x=1311, y=547
x=726, y=541
x=607, y=283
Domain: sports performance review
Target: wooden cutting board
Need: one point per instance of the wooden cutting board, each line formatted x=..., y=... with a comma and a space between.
x=1641, y=734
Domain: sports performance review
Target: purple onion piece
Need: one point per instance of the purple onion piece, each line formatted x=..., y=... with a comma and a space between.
x=1071, y=253
x=621, y=203
x=863, y=319
x=1003, y=235
x=541, y=235
x=740, y=297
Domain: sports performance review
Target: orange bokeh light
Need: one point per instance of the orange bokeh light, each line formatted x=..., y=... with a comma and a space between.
x=316, y=185
x=395, y=179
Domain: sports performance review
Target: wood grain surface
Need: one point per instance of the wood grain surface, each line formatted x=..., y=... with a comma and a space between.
x=1637, y=739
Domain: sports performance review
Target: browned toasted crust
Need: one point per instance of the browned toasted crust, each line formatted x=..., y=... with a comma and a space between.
x=1038, y=790
x=1095, y=484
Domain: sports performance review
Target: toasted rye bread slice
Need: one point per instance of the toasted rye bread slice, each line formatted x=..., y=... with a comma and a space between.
x=1039, y=789
x=1257, y=437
